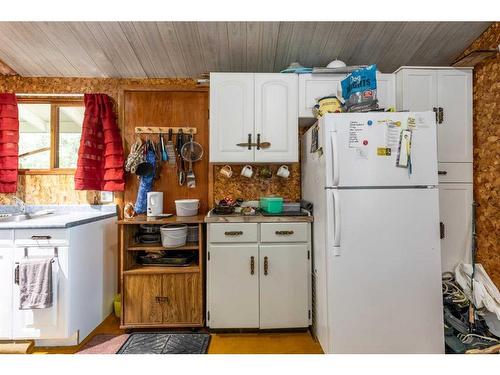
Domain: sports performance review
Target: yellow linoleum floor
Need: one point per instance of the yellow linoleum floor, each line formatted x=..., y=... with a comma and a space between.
x=220, y=343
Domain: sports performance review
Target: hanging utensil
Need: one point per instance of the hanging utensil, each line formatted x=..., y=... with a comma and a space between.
x=180, y=162
x=164, y=155
x=190, y=177
x=170, y=148
x=192, y=151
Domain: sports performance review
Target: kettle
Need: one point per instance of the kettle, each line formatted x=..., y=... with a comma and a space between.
x=155, y=203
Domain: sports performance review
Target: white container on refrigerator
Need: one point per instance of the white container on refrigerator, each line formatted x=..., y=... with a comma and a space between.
x=376, y=233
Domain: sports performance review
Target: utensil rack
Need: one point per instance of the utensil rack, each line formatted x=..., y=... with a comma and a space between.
x=164, y=130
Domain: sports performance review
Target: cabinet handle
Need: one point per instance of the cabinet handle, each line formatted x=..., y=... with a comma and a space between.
x=234, y=233
x=16, y=275
x=249, y=141
x=266, y=266
x=258, y=141
x=252, y=265
x=41, y=237
x=441, y=230
x=440, y=115
x=442, y=173
x=435, y=110
x=160, y=299
x=284, y=232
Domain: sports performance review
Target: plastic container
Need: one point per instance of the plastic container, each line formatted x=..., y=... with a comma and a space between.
x=117, y=305
x=291, y=207
x=187, y=207
x=173, y=235
x=272, y=205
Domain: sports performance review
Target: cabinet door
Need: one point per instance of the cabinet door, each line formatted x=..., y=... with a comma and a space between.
x=141, y=305
x=48, y=323
x=233, y=286
x=386, y=90
x=313, y=87
x=181, y=299
x=455, y=205
x=418, y=90
x=284, y=273
x=454, y=91
x=6, y=282
x=276, y=117
x=231, y=116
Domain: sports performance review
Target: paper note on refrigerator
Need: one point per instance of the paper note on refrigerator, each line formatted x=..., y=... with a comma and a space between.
x=355, y=130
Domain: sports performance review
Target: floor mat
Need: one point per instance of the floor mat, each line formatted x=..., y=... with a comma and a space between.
x=166, y=343
x=104, y=344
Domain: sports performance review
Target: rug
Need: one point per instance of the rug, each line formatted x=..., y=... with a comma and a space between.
x=166, y=343
x=104, y=344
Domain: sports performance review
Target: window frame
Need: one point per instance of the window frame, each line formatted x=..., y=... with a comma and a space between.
x=55, y=102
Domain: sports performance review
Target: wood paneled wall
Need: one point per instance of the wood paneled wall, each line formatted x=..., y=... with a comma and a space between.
x=487, y=153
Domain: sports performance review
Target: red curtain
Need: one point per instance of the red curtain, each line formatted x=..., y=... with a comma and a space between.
x=100, y=157
x=9, y=139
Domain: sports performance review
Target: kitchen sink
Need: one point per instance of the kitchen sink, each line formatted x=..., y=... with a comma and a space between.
x=9, y=218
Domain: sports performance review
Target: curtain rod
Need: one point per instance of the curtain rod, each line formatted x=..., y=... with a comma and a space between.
x=50, y=95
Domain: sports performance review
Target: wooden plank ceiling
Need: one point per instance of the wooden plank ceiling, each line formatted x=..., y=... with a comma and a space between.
x=187, y=49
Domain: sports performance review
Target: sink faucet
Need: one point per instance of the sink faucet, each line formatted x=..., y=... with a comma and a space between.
x=21, y=206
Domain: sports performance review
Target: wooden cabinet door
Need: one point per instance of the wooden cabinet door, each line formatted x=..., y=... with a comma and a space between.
x=417, y=90
x=141, y=306
x=181, y=299
x=276, y=117
x=233, y=286
x=231, y=116
x=454, y=96
x=455, y=205
x=6, y=283
x=284, y=283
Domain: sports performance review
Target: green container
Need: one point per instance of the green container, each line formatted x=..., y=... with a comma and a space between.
x=272, y=205
x=117, y=302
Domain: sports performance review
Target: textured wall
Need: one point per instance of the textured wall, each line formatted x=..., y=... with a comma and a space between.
x=59, y=189
x=487, y=152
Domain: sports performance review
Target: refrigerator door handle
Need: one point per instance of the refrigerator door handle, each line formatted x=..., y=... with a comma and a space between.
x=336, y=218
x=335, y=158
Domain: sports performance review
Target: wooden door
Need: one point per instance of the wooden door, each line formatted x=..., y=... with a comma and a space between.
x=455, y=205
x=140, y=303
x=231, y=117
x=454, y=92
x=284, y=283
x=418, y=90
x=181, y=299
x=172, y=109
x=276, y=117
x=233, y=286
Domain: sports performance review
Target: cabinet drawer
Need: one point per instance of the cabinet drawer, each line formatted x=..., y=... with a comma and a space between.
x=233, y=232
x=455, y=172
x=283, y=232
x=41, y=237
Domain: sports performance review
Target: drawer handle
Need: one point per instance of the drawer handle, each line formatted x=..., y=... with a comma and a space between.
x=234, y=233
x=41, y=237
x=284, y=232
x=161, y=299
x=266, y=266
x=442, y=173
x=252, y=265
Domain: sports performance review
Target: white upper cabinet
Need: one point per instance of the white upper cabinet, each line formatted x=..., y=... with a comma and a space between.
x=252, y=108
x=276, y=117
x=448, y=92
x=315, y=86
x=231, y=116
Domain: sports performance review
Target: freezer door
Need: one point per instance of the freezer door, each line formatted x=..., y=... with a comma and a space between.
x=362, y=149
x=384, y=271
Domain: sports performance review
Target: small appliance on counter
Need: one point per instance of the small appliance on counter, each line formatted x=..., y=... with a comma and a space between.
x=155, y=203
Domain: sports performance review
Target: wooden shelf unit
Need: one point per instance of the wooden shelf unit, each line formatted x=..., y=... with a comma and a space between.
x=161, y=296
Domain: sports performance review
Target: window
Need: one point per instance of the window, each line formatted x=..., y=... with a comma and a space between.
x=49, y=134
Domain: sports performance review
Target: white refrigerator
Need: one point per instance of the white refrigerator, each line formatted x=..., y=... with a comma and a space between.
x=376, y=246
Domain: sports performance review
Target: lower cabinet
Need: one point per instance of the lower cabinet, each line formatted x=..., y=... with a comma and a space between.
x=455, y=210
x=256, y=284
x=162, y=299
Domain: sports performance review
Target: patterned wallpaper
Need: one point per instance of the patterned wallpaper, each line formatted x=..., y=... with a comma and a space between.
x=487, y=153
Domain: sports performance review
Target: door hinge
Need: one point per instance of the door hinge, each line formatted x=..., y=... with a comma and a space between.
x=441, y=230
x=308, y=254
x=208, y=256
x=309, y=314
x=208, y=114
x=208, y=315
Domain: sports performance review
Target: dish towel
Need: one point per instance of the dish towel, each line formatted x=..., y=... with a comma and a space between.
x=145, y=186
x=35, y=284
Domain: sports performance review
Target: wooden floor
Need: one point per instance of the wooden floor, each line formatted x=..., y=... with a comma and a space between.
x=220, y=343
